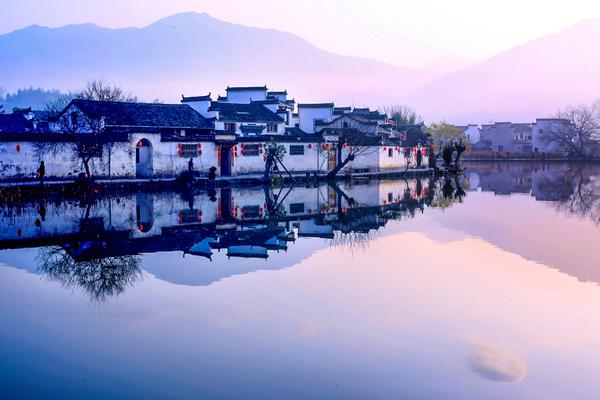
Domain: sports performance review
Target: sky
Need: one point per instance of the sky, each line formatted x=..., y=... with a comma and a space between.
x=408, y=33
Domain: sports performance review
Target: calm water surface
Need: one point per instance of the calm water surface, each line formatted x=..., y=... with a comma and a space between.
x=390, y=289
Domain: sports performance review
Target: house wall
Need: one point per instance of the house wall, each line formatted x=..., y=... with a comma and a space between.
x=349, y=122
x=473, y=134
x=245, y=96
x=310, y=161
x=540, y=128
x=220, y=125
x=62, y=162
x=308, y=115
x=166, y=160
x=202, y=107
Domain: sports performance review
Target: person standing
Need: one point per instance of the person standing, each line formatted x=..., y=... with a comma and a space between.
x=191, y=165
x=41, y=172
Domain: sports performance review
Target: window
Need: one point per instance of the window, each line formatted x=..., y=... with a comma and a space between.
x=187, y=216
x=390, y=197
x=390, y=152
x=345, y=124
x=296, y=150
x=251, y=211
x=250, y=150
x=297, y=208
x=297, y=125
x=272, y=128
x=317, y=122
x=230, y=126
x=189, y=150
x=74, y=119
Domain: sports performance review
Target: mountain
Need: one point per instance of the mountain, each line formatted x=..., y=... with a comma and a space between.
x=194, y=53
x=532, y=80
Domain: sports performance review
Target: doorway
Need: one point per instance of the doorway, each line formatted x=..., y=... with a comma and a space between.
x=225, y=160
x=143, y=159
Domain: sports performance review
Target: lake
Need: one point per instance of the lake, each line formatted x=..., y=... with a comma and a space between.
x=479, y=287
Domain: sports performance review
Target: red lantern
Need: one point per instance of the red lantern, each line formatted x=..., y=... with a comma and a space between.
x=310, y=146
x=179, y=152
x=18, y=148
x=384, y=148
x=140, y=144
x=200, y=152
x=199, y=145
x=265, y=158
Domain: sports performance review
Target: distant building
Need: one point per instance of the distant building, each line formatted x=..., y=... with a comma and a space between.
x=505, y=137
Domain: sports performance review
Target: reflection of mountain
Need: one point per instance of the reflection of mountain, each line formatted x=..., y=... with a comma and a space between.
x=547, y=233
x=248, y=224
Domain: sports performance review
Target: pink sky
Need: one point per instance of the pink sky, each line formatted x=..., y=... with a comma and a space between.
x=398, y=31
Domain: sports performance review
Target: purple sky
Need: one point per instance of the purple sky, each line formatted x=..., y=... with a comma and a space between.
x=397, y=31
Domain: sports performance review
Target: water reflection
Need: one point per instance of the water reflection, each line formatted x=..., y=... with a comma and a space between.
x=94, y=244
x=97, y=244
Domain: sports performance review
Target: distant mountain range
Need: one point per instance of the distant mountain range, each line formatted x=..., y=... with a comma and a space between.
x=194, y=53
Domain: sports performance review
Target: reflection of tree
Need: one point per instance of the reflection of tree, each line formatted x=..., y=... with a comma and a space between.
x=100, y=278
x=352, y=241
x=584, y=198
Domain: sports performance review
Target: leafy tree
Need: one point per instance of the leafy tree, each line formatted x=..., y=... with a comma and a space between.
x=442, y=133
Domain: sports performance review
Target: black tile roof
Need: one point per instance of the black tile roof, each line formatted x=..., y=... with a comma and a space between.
x=255, y=129
x=274, y=92
x=315, y=105
x=245, y=88
x=15, y=122
x=195, y=98
x=252, y=112
x=124, y=114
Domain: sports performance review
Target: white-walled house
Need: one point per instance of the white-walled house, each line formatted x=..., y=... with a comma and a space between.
x=539, y=135
x=133, y=140
x=149, y=140
x=311, y=115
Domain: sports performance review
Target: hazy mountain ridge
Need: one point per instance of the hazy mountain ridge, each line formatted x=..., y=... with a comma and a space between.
x=194, y=53
x=532, y=80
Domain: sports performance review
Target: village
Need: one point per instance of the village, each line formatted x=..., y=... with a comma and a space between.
x=217, y=137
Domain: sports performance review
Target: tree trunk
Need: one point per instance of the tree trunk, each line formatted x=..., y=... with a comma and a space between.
x=268, y=166
x=86, y=165
x=331, y=174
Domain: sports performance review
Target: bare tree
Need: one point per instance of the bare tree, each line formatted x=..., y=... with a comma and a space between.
x=352, y=144
x=575, y=130
x=100, y=277
x=86, y=133
x=401, y=114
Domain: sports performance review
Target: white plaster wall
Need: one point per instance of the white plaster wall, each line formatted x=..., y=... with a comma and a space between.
x=62, y=163
x=245, y=96
x=166, y=160
x=472, y=133
x=308, y=115
x=537, y=133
